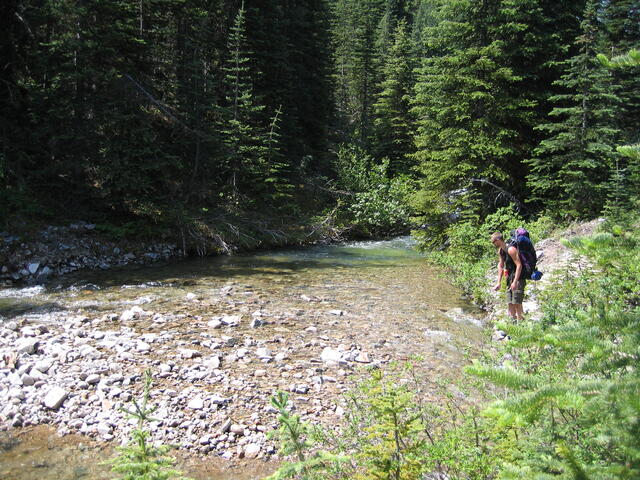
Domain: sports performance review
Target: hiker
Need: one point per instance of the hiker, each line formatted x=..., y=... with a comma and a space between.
x=509, y=263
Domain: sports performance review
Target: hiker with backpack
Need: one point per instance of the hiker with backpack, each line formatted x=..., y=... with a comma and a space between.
x=515, y=266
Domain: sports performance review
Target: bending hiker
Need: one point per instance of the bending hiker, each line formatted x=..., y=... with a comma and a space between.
x=509, y=264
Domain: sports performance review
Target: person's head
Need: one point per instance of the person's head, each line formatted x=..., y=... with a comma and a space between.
x=497, y=239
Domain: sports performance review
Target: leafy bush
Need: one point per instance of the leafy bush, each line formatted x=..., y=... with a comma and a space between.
x=377, y=203
x=469, y=253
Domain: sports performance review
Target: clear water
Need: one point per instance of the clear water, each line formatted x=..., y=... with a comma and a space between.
x=385, y=290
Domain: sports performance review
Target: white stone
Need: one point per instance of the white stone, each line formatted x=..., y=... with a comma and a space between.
x=330, y=355
x=263, y=352
x=44, y=365
x=33, y=267
x=231, y=320
x=338, y=313
x=212, y=362
x=191, y=296
x=196, y=403
x=218, y=400
x=252, y=450
x=93, y=379
x=189, y=353
x=215, y=323
x=142, y=347
x=27, y=345
x=54, y=399
x=27, y=380
x=363, y=357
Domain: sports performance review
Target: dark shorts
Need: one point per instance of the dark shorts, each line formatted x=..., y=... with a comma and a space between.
x=516, y=296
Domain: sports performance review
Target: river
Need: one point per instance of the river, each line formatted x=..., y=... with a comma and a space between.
x=372, y=302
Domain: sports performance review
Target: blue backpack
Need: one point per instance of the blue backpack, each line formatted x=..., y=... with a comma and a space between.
x=528, y=257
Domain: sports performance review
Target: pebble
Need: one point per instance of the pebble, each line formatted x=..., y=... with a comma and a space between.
x=196, y=403
x=54, y=399
x=252, y=450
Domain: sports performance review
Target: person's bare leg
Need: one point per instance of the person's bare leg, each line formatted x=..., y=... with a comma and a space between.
x=519, y=311
x=511, y=309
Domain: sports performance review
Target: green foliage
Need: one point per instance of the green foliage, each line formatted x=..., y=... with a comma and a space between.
x=469, y=253
x=572, y=165
x=294, y=436
x=376, y=203
x=389, y=432
x=140, y=459
x=572, y=402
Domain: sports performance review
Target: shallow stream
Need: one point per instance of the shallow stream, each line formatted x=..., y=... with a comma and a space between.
x=378, y=297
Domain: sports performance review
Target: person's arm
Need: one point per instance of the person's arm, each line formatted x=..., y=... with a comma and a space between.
x=500, y=271
x=513, y=253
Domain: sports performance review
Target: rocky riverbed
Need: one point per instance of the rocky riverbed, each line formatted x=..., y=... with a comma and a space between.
x=73, y=356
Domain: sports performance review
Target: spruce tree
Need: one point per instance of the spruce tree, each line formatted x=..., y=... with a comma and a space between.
x=241, y=130
x=393, y=122
x=465, y=104
x=572, y=165
x=354, y=27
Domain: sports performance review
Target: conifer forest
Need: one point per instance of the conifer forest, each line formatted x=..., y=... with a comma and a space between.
x=449, y=119
x=386, y=113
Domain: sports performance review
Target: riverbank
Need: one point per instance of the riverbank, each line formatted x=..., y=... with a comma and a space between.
x=42, y=254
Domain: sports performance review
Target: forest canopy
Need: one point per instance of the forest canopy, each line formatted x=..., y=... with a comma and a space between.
x=391, y=113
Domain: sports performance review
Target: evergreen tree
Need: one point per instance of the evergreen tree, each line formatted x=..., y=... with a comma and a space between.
x=354, y=27
x=465, y=107
x=622, y=24
x=393, y=122
x=571, y=167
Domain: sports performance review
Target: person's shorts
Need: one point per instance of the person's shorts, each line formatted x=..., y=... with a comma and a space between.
x=516, y=296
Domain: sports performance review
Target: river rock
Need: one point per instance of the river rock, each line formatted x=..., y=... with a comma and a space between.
x=231, y=320
x=54, y=399
x=218, y=400
x=263, y=353
x=237, y=429
x=33, y=267
x=189, y=353
x=44, y=365
x=196, y=403
x=363, y=357
x=27, y=380
x=212, y=362
x=251, y=450
x=27, y=345
x=331, y=355
x=215, y=323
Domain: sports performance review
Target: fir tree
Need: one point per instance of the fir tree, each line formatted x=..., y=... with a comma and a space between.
x=241, y=132
x=393, y=122
x=465, y=107
x=571, y=167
